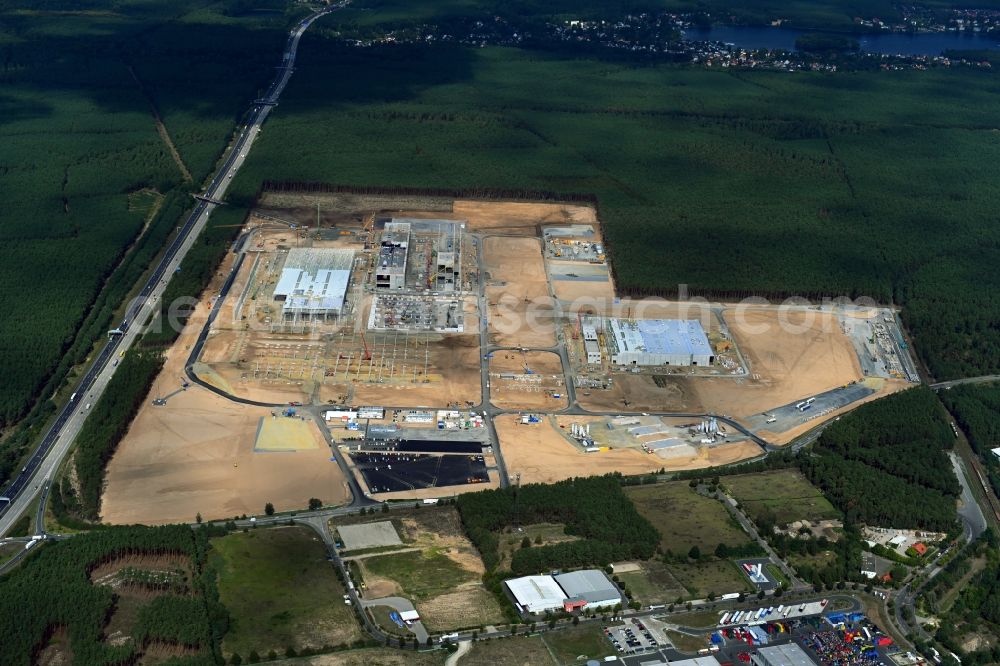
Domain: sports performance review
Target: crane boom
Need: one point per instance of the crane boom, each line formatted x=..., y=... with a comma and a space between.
x=368, y=354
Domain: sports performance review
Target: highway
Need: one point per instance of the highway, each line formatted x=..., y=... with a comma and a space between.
x=985, y=379
x=48, y=455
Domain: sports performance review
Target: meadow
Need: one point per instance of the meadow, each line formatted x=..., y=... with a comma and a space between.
x=280, y=591
x=686, y=519
x=734, y=183
x=784, y=495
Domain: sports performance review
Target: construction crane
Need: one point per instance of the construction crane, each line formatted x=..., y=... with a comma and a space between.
x=369, y=229
x=579, y=326
x=368, y=354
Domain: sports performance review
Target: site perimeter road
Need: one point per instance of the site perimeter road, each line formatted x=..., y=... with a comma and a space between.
x=47, y=457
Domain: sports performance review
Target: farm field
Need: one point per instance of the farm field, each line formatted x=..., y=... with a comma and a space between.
x=685, y=518
x=697, y=131
x=281, y=591
x=785, y=494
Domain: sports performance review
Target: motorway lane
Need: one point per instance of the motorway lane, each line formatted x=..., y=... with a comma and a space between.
x=47, y=457
x=985, y=379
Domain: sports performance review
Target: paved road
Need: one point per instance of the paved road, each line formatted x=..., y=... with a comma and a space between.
x=751, y=529
x=973, y=520
x=50, y=452
x=400, y=604
x=455, y=656
x=985, y=379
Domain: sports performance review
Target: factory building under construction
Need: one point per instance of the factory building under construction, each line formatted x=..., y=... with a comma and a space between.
x=648, y=342
x=313, y=282
x=391, y=270
x=418, y=255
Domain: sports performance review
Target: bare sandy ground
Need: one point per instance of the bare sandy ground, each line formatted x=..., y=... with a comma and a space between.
x=520, y=311
x=510, y=216
x=541, y=454
x=514, y=394
x=712, y=456
x=643, y=394
x=807, y=355
x=578, y=292
x=195, y=454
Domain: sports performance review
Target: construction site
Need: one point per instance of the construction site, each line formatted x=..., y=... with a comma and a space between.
x=321, y=316
x=423, y=308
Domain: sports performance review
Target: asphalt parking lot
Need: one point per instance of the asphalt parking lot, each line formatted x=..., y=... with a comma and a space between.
x=631, y=637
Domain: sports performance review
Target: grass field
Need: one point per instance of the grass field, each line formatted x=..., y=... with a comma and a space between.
x=380, y=615
x=785, y=494
x=9, y=550
x=421, y=574
x=517, y=651
x=698, y=619
x=686, y=643
x=281, y=591
x=372, y=657
x=685, y=518
x=578, y=644
x=718, y=576
x=653, y=584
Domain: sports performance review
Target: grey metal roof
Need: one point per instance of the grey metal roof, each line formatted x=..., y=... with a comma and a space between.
x=787, y=654
x=590, y=585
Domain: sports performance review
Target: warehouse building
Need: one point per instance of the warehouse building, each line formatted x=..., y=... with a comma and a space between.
x=788, y=654
x=590, y=588
x=695, y=661
x=648, y=342
x=313, y=282
x=390, y=273
x=536, y=594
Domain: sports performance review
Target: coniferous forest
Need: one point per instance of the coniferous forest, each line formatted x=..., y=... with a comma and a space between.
x=886, y=464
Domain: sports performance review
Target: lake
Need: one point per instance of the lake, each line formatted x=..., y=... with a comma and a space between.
x=928, y=43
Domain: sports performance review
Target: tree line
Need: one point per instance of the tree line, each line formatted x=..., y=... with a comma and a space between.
x=107, y=423
x=52, y=589
x=976, y=408
x=886, y=463
x=594, y=509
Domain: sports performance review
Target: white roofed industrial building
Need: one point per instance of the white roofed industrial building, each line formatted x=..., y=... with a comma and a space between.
x=314, y=282
x=697, y=661
x=657, y=342
x=536, y=594
x=786, y=654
